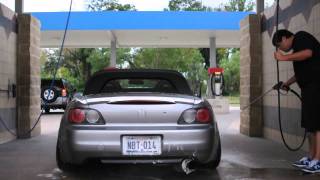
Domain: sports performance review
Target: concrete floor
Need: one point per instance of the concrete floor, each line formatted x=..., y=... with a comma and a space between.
x=243, y=158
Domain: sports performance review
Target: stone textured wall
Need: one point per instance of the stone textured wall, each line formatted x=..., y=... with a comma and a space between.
x=28, y=76
x=295, y=16
x=8, y=46
x=250, y=75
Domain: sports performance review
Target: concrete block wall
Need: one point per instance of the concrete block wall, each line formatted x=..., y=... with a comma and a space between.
x=8, y=60
x=294, y=16
x=250, y=75
x=28, y=75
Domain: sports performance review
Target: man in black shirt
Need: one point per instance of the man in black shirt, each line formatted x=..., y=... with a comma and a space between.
x=305, y=56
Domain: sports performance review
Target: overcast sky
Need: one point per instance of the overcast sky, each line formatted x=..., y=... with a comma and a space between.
x=81, y=5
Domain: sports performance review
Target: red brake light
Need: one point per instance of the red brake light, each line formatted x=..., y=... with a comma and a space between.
x=64, y=92
x=76, y=116
x=203, y=115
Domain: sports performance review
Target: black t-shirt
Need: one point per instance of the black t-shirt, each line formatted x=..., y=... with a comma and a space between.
x=307, y=72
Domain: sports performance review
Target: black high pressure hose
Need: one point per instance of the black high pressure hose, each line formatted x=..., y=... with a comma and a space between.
x=211, y=87
x=279, y=100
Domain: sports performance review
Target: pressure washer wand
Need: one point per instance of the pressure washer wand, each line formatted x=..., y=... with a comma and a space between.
x=275, y=87
x=256, y=99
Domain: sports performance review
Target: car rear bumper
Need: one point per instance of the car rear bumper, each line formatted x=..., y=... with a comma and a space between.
x=178, y=143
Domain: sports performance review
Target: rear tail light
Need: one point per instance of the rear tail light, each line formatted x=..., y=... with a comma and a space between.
x=85, y=116
x=192, y=116
x=203, y=115
x=76, y=116
x=64, y=92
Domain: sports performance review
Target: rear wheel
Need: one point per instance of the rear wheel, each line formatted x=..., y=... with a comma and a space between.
x=47, y=110
x=64, y=166
x=217, y=158
x=215, y=163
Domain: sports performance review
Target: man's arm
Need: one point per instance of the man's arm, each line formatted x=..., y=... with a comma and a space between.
x=290, y=81
x=285, y=86
x=298, y=56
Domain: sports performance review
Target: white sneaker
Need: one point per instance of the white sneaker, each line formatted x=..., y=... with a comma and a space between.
x=313, y=167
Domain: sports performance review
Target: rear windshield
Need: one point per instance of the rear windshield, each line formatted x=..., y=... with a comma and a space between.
x=137, y=80
x=47, y=82
x=138, y=85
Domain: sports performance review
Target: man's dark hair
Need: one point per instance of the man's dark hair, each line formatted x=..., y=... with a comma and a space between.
x=277, y=37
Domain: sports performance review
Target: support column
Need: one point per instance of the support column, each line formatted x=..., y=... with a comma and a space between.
x=28, y=75
x=260, y=6
x=251, y=123
x=19, y=6
x=219, y=104
x=213, y=61
x=213, y=52
x=113, y=58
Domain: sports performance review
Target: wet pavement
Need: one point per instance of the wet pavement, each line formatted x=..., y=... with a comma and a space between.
x=243, y=158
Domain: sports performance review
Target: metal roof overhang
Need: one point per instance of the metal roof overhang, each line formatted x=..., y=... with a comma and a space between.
x=165, y=29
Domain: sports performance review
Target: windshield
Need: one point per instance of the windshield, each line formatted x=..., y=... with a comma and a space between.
x=138, y=85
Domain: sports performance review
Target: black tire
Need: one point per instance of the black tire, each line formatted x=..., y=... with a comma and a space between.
x=53, y=94
x=64, y=166
x=47, y=110
x=216, y=161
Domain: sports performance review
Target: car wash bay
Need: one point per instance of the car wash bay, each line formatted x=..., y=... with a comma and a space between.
x=242, y=157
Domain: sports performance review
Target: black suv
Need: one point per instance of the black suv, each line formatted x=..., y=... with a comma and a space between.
x=59, y=95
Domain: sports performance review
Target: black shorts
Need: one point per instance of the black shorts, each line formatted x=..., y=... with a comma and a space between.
x=310, y=108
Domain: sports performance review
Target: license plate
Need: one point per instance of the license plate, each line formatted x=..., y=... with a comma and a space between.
x=141, y=145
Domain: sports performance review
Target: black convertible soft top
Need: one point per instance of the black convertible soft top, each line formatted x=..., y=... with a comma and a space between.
x=99, y=79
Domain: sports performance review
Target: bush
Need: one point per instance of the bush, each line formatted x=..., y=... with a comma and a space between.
x=231, y=74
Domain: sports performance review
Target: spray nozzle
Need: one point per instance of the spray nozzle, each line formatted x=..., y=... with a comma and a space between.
x=280, y=85
x=277, y=86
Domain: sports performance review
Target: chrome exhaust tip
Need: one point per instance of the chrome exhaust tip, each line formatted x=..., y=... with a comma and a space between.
x=187, y=166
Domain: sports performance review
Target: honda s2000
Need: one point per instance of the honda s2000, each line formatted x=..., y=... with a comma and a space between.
x=138, y=116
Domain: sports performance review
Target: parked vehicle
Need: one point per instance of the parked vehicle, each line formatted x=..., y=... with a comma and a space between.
x=138, y=116
x=59, y=95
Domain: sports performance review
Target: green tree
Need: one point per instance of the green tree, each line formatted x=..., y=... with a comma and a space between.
x=232, y=5
x=187, y=61
x=100, y=58
x=192, y=5
x=187, y=5
x=230, y=57
x=109, y=5
x=46, y=71
x=77, y=65
x=237, y=5
x=73, y=66
x=231, y=72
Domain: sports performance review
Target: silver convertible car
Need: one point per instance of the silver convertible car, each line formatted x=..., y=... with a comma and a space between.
x=138, y=116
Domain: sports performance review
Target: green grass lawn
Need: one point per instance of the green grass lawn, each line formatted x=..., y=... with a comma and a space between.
x=234, y=99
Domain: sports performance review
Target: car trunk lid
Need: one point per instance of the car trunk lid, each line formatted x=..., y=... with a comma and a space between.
x=141, y=109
